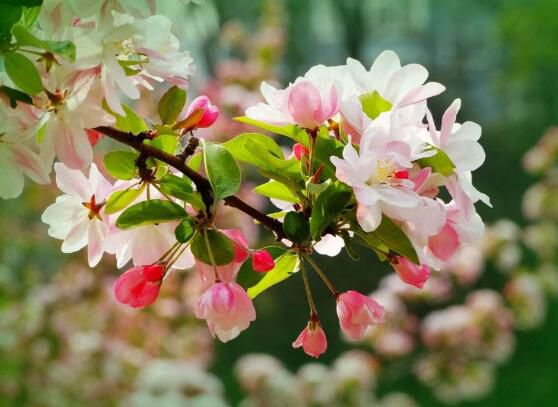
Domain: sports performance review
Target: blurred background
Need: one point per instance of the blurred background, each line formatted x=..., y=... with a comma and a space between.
x=481, y=334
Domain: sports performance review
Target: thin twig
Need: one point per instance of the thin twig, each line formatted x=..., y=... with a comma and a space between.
x=202, y=184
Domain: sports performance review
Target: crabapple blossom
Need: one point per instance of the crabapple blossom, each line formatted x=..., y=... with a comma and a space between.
x=77, y=217
x=357, y=312
x=227, y=309
x=303, y=103
x=139, y=286
x=312, y=339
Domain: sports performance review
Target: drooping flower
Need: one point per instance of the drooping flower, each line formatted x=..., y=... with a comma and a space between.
x=410, y=272
x=357, y=312
x=77, y=217
x=139, y=286
x=262, y=261
x=227, y=309
x=312, y=339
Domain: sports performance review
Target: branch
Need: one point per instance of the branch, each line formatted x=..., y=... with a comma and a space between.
x=202, y=184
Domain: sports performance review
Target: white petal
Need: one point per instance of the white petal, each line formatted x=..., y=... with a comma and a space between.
x=403, y=81
x=11, y=178
x=77, y=237
x=72, y=182
x=330, y=245
x=96, y=236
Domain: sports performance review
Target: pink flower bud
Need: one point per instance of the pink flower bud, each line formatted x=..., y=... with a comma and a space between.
x=299, y=150
x=357, y=312
x=312, y=339
x=309, y=106
x=205, y=113
x=262, y=261
x=227, y=309
x=139, y=286
x=411, y=273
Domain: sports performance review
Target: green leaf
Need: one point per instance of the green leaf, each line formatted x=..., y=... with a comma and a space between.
x=277, y=190
x=221, y=247
x=122, y=199
x=164, y=142
x=439, y=162
x=150, y=212
x=171, y=104
x=293, y=132
x=285, y=266
x=180, y=188
x=30, y=15
x=9, y=15
x=247, y=277
x=16, y=96
x=131, y=122
x=185, y=230
x=221, y=169
x=373, y=104
x=23, y=73
x=296, y=227
x=327, y=208
x=388, y=237
x=121, y=164
x=195, y=161
x=263, y=152
x=65, y=49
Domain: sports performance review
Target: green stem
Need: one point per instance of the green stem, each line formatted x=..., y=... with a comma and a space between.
x=311, y=304
x=322, y=275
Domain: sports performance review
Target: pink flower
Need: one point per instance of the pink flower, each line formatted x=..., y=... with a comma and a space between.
x=227, y=309
x=445, y=244
x=200, y=113
x=139, y=286
x=240, y=244
x=357, y=312
x=411, y=273
x=262, y=261
x=312, y=339
x=308, y=107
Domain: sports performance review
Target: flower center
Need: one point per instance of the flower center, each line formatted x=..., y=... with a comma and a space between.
x=94, y=208
x=386, y=173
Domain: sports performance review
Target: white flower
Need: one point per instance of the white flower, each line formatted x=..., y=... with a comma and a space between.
x=77, y=217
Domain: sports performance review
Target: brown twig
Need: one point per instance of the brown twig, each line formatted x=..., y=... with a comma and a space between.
x=202, y=184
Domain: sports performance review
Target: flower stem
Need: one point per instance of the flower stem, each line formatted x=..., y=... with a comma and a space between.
x=311, y=305
x=322, y=275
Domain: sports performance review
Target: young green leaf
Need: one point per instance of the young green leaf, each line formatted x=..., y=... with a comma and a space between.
x=164, y=142
x=276, y=190
x=122, y=199
x=296, y=227
x=23, y=37
x=150, y=212
x=328, y=206
x=131, y=122
x=373, y=104
x=293, y=132
x=121, y=164
x=439, y=162
x=388, y=237
x=23, y=73
x=221, y=169
x=181, y=188
x=221, y=247
x=185, y=230
x=285, y=266
x=171, y=104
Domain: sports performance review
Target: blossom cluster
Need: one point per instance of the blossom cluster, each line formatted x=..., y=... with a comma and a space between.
x=368, y=166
